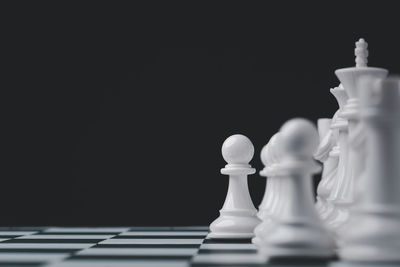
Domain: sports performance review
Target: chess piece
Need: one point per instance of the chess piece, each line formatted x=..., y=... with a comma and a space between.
x=270, y=157
x=267, y=200
x=338, y=194
x=238, y=215
x=297, y=230
x=328, y=140
x=373, y=232
x=349, y=78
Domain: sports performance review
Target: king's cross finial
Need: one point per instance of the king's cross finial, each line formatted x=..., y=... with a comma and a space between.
x=361, y=53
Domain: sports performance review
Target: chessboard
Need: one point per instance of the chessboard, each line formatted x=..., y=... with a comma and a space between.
x=123, y=246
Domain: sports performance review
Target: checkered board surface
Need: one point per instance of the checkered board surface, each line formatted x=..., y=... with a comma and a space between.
x=122, y=246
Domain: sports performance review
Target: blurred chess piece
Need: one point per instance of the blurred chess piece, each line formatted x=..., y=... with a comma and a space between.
x=328, y=140
x=338, y=193
x=296, y=230
x=265, y=205
x=373, y=232
x=271, y=157
x=238, y=215
x=349, y=77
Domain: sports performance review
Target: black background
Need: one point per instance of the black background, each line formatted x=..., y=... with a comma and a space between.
x=114, y=114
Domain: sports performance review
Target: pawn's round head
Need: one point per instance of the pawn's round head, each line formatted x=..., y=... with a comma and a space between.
x=299, y=138
x=237, y=149
x=275, y=148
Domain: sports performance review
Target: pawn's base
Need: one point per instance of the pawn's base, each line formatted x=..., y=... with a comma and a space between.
x=261, y=231
x=298, y=238
x=234, y=226
x=230, y=235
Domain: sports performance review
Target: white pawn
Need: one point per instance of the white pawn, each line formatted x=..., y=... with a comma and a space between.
x=268, y=194
x=297, y=229
x=238, y=216
x=270, y=157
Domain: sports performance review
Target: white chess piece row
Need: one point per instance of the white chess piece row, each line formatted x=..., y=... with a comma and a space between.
x=358, y=197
